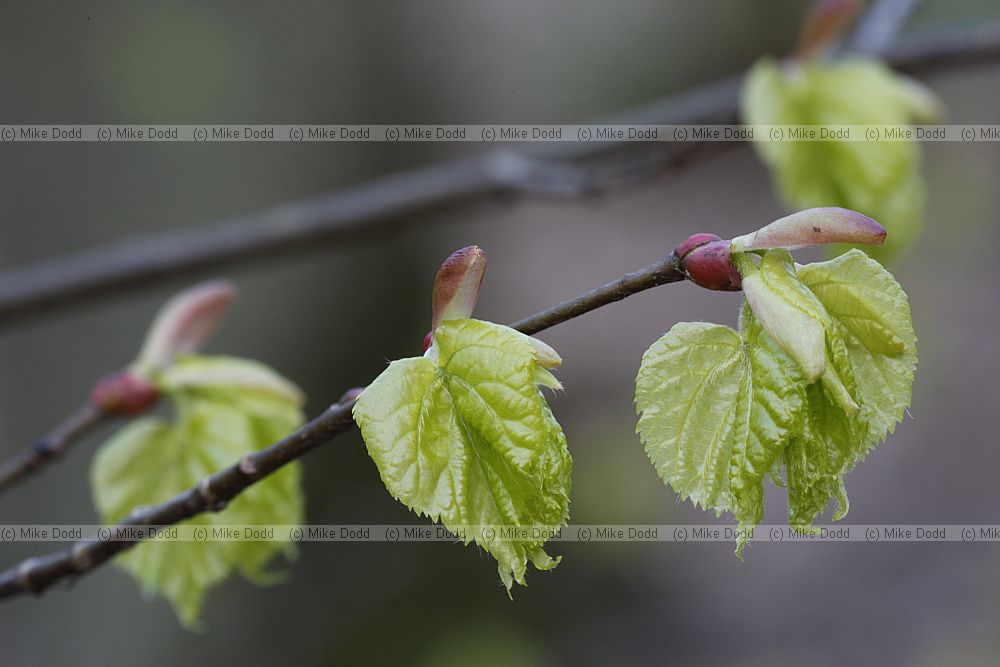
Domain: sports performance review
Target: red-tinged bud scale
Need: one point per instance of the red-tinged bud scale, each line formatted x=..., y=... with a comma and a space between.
x=428, y=339
x=813, y=226
x=704, y=259
x=184, y=323
x=824, y=25
x=456, y=287
x=692, y=242
x=124, y=393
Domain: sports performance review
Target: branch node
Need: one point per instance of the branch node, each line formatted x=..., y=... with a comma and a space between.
x=80, y=557
x=44, y=449
x=205, y=491
x=24, y=572
x=212, y=502
x=248, y=466
x=139, y=515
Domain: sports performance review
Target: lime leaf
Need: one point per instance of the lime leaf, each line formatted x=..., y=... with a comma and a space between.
x=871, y=352
x=880, y=179
x=870, y=314
x=817, y=459
x=464, y=436
x=716, y=410
x=151, y=460
x=820, y=372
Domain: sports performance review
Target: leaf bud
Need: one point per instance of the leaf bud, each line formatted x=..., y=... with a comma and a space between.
x=456, y=287
x=124, y=393
x=813, y=226
x=184, y=324
x=705, y=261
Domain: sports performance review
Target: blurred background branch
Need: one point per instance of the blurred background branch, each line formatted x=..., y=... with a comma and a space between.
x=374, y=208
x=52, y=446
x=880, y=25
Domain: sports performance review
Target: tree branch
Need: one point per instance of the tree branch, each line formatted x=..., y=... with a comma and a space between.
x=52, y=446
x=370, y=209
x=879, y=27
x=34, y=575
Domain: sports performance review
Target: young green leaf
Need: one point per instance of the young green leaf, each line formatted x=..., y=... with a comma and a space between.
x=464, y=436
x=224, y=408
x=819, y=373
x=871, y=314
x=716, y=409
x=788, y=311
x=882, y=178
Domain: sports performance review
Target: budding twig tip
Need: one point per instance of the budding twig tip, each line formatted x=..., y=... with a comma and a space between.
x=457, y=285
x=185, y=323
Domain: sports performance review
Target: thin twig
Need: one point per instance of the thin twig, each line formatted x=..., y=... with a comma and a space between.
x=52, y=446
x=213, y=493
x=371, y=209
x=659, y=273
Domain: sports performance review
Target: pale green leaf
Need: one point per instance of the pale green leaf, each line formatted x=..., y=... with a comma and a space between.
x=151, y=460
x=871, y=314
x=871, y=352
x=787, y=310
x=719, y=410
x=222, y=374
x=715, y=412
x=464, y=436
x=818, y=457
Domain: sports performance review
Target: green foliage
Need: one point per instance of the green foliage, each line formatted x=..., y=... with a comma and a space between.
x=819, y=372
x=464, y=436
x=881, y=179
x=223, y=408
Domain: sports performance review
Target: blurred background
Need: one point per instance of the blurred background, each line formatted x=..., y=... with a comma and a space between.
x=330, y=318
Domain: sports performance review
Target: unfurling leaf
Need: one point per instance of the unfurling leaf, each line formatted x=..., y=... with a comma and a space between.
x=882, y=178
x=789, y=312
x=875, y=352
x=224, y=408
x=813, y=226
x=820, y=371
x=464, y=436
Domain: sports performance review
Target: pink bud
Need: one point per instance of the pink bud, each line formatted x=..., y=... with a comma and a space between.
x=692, y=242
x=124, y=393
x=456, y=287
x=185, y=323
x=824, y=24
x=814, y=226
x=708, y=265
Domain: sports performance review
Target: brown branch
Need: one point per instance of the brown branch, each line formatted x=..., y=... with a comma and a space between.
x=656, y=274
x=52, y=446
x=370, y=209
x=213, y=493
